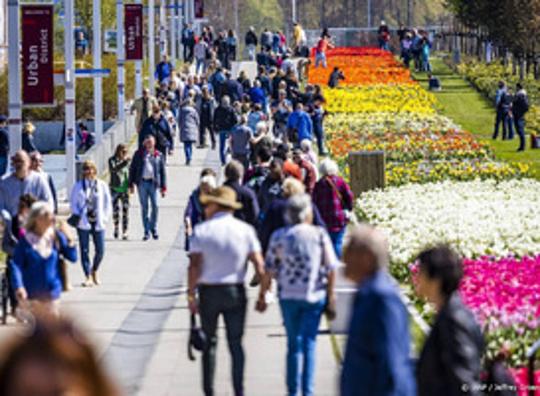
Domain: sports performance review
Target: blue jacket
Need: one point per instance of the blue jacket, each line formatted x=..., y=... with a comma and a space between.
x=301, y=121
x=377, y=360
x=39, y=276
x=164, y=71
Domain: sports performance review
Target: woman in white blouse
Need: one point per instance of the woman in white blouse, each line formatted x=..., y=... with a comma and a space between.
x=91, y=200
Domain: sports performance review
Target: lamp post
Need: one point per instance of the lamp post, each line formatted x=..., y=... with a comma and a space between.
x=96, y=53
x=14, y=69
x=69, y=45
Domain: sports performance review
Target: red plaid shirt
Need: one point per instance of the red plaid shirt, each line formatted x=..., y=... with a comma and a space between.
x=329, y=203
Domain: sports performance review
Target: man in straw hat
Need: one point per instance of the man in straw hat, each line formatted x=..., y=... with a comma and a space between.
x=220, y=248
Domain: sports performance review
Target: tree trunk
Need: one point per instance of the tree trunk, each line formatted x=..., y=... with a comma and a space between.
x=522, y=67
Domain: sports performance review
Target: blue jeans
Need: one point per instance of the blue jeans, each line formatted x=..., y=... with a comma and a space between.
x=199, y=69
x=98, y=237
x=188, y=150
x=148, y=192
x=520, y=129
x=508, y=126
x=3, y=165
x=337, y=240
x=301, y=320
x=320, y=58
x=223, y=135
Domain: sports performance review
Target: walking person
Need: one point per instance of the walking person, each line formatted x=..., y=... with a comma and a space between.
x=302, y=259
x=160, y=129
x=91, y=200
x=4, y=145
x=20, y=182
x=200, y=51
x=224, y=121
x=335, y=200
x=164, y=70
x=28, y=143
x=207, y=109
x=450, y=360
x=189, y=128
x=232, y=44
x=194, y=213
x=499, y=118
x=35, y=270
x=240, y=140
x=323, y=45
x=147, y=172
x=251, y=42
x=36, y=165
x=377, y=356
x=215, y=290
x=119, y=186
x=234, y=173
x=520, y=107
x=143, y=107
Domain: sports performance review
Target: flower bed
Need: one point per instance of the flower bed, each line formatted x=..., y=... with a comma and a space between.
x=425, y=144
x=477, y=218
x=380, y=98
x=381, y=123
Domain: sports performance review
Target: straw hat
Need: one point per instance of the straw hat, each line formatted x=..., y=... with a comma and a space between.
x=223, y=196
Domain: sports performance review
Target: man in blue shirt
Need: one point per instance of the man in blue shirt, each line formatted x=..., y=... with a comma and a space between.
x=164, y=70
x=299, y=125
x=377, y=359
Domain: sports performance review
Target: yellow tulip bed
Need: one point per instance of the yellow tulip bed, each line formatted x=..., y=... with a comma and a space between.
x=401, y=119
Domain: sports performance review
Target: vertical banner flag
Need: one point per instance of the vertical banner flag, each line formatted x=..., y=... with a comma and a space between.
x=37, y=54
x=199, y=9
x=133, y=25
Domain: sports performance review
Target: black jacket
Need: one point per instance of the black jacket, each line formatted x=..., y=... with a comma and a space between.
x=4, y=142
x=161, y=130
x=520, y=106
x=137, y=165
x=28, y=144
x=207, y=109
x=224, y=118
x=250, y=206
x=251, y=38
x=451, y=358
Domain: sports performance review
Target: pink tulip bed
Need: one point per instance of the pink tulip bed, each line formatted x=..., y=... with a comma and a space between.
x=504, y=295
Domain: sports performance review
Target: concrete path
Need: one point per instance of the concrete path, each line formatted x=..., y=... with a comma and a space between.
x=139, y=319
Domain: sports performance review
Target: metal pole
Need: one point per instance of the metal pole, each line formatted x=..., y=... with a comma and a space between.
x=96, y=50
x=138, y=72
x=69, y=44
x=151, y=45
x=162, y=28
x=369, y=13
x=120, y=58
x=14, y=69
x=293, y=6
x=236, y=21
x=172, y=32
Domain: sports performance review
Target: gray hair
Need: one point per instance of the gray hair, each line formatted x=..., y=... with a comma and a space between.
x=225, y=101
x=299, y=208
x=328, y=167
x=366, y=238
x=37, y=210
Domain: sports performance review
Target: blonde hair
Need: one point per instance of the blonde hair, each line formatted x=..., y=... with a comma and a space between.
x=292, y=186
x=29, y=127
x=90, y=164
x=37, y=210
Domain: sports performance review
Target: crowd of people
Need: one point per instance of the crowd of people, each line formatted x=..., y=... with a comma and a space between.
x=510, y=112
x=281, y=207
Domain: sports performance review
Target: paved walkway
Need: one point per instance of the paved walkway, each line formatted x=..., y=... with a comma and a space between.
x=139, y=316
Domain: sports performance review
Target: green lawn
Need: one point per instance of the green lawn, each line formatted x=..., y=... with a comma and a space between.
x=468, y=108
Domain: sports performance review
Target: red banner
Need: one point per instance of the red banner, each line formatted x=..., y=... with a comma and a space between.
x=133, y=25
x=37, y=54
x=199, y=9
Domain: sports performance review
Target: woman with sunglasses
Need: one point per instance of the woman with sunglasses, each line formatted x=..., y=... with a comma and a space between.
x=35, y=267
x=91, y=200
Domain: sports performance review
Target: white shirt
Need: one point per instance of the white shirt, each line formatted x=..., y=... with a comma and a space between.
x=148, y=168
x=225, y=244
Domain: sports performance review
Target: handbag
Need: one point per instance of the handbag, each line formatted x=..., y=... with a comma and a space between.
x=197, y=338
x=74, y=219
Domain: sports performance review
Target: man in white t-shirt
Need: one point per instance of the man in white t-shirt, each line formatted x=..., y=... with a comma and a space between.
x=220, y=248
